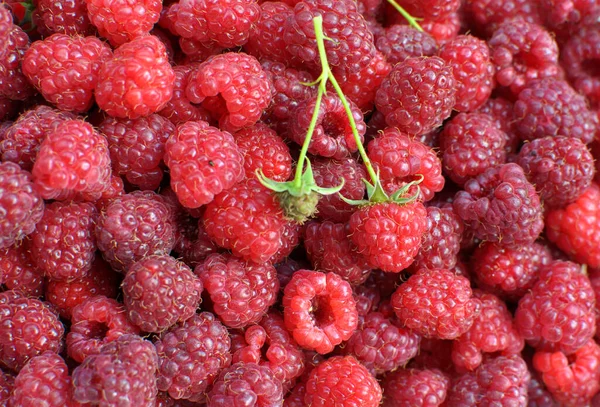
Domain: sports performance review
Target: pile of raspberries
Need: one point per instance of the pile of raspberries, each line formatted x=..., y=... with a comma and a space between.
x=143, y=262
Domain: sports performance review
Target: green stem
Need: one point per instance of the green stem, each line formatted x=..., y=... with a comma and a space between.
x=411, y=20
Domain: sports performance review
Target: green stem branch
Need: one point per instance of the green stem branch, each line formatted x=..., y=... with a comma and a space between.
x=411, y=20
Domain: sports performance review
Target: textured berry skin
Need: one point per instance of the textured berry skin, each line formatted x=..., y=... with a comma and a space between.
x=244, y=384
x=319, y=310
x=550, y=107
x=243, y=86
x=21, y=205
x=67, y=17
x=388, y=235
x=121, y=21
x=344, y=382
x=123, y=372
x=190, y=355
x=537, y=393
x=266, y=41
x=500, y=205
x=29, y=328
x=203, y=161
x=6, y=386
x=400, y=42
x=67, y=81
x=471, y=143
x=13, y=84
x=501, y=111
x=160, y=291
x=575, y=229
x=431, y=9
x=361, y=87
x=132, y=227
x=179, y=109
x=19, y=272
x=417, y=95
x=522, y=52
x=414, y=387
x=575, y=56
x=488, y=15
x=561, y=168
x=118, y=92
x=137, y=148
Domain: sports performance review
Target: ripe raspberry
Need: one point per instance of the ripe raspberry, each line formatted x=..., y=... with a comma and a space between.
x=500, y=205
x=488, y=15
x=522, y=52
x=19, y=272
x=575, y=229
x=6, y=386
x=122, y=373
x=190, y=355
x=343, y=382
x=413, y=387
x=65, y=69
x=563, y=15
x=417, y=95
x=67, y=17
x=550, y=107
x=29, y=328
x=403, y=41
x=501, y=111
x=319, y=310
x=443, y=30
x=233, y=87
x=388, y=235
x=537, y=393
x=118, y=91
x=400, y=160
x=431, y=9
x=179, y=109
x=266, y=41
x=13, y=84
x=132, y=227
x=577, y=55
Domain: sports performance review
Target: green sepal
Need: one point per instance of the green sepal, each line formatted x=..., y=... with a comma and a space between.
x=397, y=196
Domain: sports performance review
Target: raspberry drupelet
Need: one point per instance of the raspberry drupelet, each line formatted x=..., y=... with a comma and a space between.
x=400, y=42
x=500, y=111
x=415, y=387
x=488, y=15
x=19, y=272
x=13, y=84
x=67, y=17
x=266, y=41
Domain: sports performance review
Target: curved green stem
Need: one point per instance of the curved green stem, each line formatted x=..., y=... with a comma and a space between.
x=411, y=20
x=304, y=150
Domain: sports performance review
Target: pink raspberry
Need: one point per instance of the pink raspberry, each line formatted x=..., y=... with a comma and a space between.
x=179, y=109
x=267, y=41
x=68, y=17
x=403, y=41
x=19, y=272
x=410, y=387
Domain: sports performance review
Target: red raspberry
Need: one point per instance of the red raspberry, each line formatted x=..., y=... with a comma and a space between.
x=119, y=92
x=266, y=41
x=319, y=310
x=577, y=55
x=500, y=205
x=29, y=328
x=575, y=229
x=179, y=109
x=403, y=41
x=132, y=227
x=400, y=160
x=6, y=21
x=65, y=69
x=121, y=21
x=123, y=372
x=431, y=9
x=21, y=205
x=412, y=387
x=501, y=111
x=537, y=393
x=550, y=107
x=522, y=52
x=233, y=87
x=13, y=84
x=343, y=382
x=417, y=95
x=488, y=15
x=388, y=235
x=444, y=30
x=191, y=354
x=18, y=271
x=6, y=386
x=67, y=17
x=562, y=15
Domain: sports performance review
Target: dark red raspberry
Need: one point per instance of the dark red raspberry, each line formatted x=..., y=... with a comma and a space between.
x=413, y=387
x=119, y=91
x=550, y=107
x=319, y=310
x=19, y=272
x=6, y=20
x=123, y=372
x=403, y=41
x=561, y=168
x=233, y=87
x=344, y=382
x=418, y=94
x=266, y=41
x=6, y=386
x=13, y=84
x=367, y=297
x=500, y=205
x=67, y=17
x=29, y=328
x=434, y=354
x=191, y=354
x=20, y=203
x=132, y=227
x=522, y=52
x=179, y=109
x=401, y=159
x=431, y=9
x=537, y=393
x=286, y=269
x=65, y=69
x=241, y=291
x=577, y=56
x=563, y=15
x=488, y=15
x=501, y=111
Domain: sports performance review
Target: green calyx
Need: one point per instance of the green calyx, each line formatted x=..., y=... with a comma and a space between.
x=376, y=194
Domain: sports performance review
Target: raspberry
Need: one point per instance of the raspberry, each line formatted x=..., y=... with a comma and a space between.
x=13, y=84
x=560, y=15
x=388, y=235
x=6, y=386
x=67, y=17
x=18, y=271
x=431, y=9
x=233, y=87
x=522, y=52
x=575, y=229
x=501, y=111
x=132, y=227
x=29, y=328
x=191, y=354
x=402, y=41
x=241, y=291
x=344, y=382
x=577, y=56
x=329, y=249
x=118, y=92
x=417, y=95
x=266, y=41
x=500, y=205
x=319, y=310
x=67, y=81
x=488, y=15
x=179, y=109
x=244, y=384
x=94, y=323
x=550, y=107
x=400, y=160
x=537, y=393
x=413, y=387
x=122, y=373
x=444, y=30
